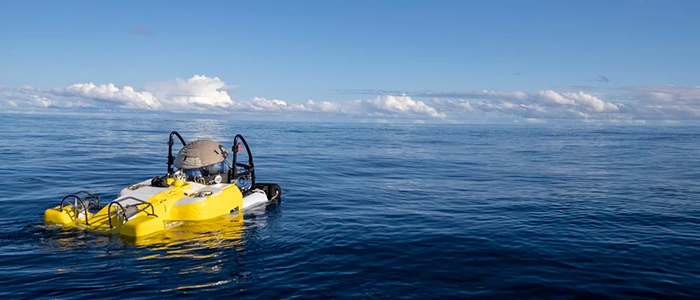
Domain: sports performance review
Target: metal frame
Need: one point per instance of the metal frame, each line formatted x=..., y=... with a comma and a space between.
x=123, y=209
x=90, y=197
x=171, y=159
x=249, y=168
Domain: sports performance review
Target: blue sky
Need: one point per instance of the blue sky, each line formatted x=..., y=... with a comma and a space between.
x=621, y=52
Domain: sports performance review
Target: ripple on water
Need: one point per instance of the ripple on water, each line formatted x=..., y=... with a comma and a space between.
x=369, y=211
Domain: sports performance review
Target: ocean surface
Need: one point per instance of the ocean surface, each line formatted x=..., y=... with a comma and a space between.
x=381, y=211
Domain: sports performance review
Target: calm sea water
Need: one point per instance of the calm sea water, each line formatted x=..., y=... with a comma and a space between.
x=369, y=211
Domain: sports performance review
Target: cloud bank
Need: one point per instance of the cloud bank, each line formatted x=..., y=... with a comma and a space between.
x=201, y=93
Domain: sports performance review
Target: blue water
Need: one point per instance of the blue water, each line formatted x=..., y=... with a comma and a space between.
x=368, y=211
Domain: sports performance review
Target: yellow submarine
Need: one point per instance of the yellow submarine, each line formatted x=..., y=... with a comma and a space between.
x=200, y=185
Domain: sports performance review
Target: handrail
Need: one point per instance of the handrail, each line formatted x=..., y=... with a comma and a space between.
x=96, y=197
x=171, y=159
x=109, y=212
x=148, y=204
x=82, y=205
x=78, y=199
x=90, y=196
x=249, y=168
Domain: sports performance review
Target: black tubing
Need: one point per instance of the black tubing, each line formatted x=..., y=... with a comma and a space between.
x=249, y=168
x=171, y=159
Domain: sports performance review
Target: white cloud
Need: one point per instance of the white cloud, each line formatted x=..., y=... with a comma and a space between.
x=260, y=104
x=382, y=106
x=663, y=101
x=329, y=107
x=455, y=104
x=402, y=104
x=126, y=96
x=195, y=93
x=550, y=98
x=660, y=96
x=587, y=101
x=545, y=104
x=664, y=93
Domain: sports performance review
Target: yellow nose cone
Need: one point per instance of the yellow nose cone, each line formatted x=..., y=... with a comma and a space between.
x=178, y=183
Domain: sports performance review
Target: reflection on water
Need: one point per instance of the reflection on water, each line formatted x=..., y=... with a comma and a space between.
x=184, y=239
x=184, y=256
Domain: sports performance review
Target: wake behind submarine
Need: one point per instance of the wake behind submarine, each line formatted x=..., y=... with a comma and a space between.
x=199, y=185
